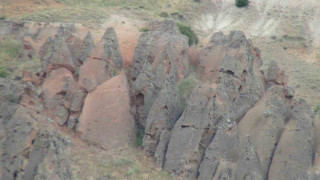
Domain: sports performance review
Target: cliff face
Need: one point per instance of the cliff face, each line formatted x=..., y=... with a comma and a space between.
x=237, y=122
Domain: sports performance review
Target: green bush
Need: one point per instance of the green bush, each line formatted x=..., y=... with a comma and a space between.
x=3, y=72
x=187, y=31
x=3, y=18
x=164, y=14
x=144, y=29
x=139, y=137
x=242, y=3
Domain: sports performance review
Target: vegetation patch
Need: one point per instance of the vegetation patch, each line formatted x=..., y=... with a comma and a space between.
x=10, y=47
x=122, y=162
x=12, y=59
x=164, y=14
x=144, y=29
x=187, y=31
x=3, y=18
x=139, y=137
x=242, y=3
x=14, y=98
x=3, y=72
x=9, y=50
x=187, y=85
x=133, y=170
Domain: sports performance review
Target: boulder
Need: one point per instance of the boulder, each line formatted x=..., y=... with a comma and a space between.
x=58, y=88
x=105, y=119
x=92, y=73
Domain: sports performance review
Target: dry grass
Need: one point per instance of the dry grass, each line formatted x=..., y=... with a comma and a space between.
x=91, y=162
x=95, y=12
x=11, y=63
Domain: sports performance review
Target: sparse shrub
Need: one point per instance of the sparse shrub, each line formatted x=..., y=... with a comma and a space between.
x=187, y=31
x=317, y=109
x=139, y=137
x=144, y=29
x=285, y=47
x=164, y=14
x=242, y=3
x=9, y=51
x=3, y=72
x=186, y=86
x=14, y=98
x=115, y=72
x=10, y=46
x=133, y=170
x=3, y=18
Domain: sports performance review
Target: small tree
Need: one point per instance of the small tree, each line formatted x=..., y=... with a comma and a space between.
x=187, y=31
x=242, y=3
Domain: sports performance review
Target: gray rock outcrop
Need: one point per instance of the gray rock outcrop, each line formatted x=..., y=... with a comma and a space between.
x=237, y=123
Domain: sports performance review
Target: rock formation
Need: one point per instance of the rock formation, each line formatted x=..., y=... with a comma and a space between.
x=238, y=122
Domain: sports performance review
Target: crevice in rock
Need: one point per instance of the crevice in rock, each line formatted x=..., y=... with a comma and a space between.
x=204, y=145
x=189, y=126
x=272, y=154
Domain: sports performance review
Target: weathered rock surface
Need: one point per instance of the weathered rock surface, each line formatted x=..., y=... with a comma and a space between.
x=55, y=54
x=111, y=47
x=31, y=144
x=189, y=137
x=161, y=53
x=239, y=123
x=105, y=119
x=92, y=73
x=233, y=86
x=295, y=151
x=236, y=123
x=30, y=152
x=161, y=118
x=57, y=88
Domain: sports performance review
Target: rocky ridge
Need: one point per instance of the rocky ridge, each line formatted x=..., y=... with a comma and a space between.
x=238, y=122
